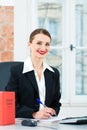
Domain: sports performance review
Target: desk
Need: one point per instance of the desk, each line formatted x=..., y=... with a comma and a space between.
x=43, y=126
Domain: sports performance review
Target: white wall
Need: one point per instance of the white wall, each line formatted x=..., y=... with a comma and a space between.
x=7, y=2
x=24, y=23
x=20, y=30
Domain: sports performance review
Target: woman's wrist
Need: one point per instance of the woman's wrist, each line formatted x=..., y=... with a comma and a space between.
x=34, y=114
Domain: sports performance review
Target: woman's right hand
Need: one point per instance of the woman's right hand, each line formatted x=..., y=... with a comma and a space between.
x=44, y=113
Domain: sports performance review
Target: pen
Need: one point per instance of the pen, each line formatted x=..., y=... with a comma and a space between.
x=39, y=102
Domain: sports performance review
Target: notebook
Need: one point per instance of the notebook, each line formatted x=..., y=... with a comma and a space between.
x=74, y=120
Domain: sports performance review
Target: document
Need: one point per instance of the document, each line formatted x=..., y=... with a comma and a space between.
x=50, y=120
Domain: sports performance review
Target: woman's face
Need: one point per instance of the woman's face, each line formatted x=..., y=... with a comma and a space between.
x=40, y=45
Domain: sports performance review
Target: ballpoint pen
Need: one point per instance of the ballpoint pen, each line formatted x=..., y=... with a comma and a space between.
x=40, y=102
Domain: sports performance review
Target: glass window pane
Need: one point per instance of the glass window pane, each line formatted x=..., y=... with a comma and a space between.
x=81, y=23
x=50, y=17
x=81, y=41
x=81, y=72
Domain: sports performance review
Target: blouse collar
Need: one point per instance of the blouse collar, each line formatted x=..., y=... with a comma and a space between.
x=29, y=67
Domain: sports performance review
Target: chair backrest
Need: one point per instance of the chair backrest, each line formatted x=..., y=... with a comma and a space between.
x=5, y=72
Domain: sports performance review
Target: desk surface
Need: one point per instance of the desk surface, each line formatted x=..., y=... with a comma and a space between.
x=44, y=126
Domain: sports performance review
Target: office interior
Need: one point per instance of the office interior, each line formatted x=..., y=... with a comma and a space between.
x=66, y=21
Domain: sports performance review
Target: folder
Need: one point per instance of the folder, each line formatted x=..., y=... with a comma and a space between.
x=74, y=120
x=7, y=108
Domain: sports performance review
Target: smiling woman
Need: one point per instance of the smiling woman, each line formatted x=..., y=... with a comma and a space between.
x=40, y=45
x=35, y=79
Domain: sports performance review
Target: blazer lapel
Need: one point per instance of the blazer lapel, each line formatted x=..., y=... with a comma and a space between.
x=32, y=79
x=49, y=76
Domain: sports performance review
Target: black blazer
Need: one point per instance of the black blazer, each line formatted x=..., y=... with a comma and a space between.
x=26, y=90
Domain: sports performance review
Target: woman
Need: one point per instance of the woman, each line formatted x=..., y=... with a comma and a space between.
x=34, y=79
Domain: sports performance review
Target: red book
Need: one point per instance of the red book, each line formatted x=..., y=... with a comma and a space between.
x=7, y=108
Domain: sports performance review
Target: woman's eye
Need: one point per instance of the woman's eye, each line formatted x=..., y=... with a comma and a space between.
x=39, y=43
x=47, y=44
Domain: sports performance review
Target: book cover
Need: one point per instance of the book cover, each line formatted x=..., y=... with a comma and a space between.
x=7, y=108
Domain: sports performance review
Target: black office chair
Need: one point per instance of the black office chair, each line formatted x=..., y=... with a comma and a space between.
x=5, y=72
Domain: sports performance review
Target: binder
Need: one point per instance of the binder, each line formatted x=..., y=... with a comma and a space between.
x=74, y=120
x=7, y=107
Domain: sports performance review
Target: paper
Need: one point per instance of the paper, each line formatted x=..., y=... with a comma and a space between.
x=50, y=120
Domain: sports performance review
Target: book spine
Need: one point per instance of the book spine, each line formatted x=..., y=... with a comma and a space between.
x=1, y=108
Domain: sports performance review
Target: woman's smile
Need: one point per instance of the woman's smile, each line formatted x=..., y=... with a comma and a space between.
x=41, y=52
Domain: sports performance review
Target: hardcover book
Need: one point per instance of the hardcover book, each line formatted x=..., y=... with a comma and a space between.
x=7, y=108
